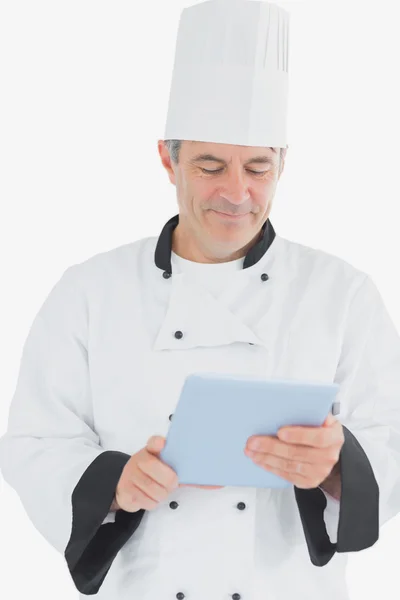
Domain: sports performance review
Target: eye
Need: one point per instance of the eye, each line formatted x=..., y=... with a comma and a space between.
x=257, y=172
x=208, y=171
x=211, y=172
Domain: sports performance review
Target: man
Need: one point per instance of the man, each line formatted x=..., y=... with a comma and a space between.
x=218, y=290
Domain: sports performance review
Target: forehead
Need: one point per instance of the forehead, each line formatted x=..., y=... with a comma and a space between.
x=225, y=152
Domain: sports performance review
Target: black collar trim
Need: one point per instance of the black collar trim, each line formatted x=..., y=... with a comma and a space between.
x=162, y=255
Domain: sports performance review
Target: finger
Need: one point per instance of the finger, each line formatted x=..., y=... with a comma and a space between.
x=149, y=486
x=139, y=500
x=318, y=437
x=296, y=479
x=308, y=470
x=159, y=471
x=299, y=453
x=329, y=421
x=155, y=444
x=311, y=480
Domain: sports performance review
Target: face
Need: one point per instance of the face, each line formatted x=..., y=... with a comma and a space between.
x=224, y=193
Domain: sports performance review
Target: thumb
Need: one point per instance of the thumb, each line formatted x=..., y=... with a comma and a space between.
x=155, y=444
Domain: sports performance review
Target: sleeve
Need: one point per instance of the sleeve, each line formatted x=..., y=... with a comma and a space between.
x=51, y=454
x=368, y=373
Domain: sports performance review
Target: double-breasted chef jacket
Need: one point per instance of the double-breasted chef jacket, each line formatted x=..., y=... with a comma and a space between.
x=102, y=369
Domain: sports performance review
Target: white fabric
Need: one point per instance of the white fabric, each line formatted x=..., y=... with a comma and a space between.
x=230, y=78
x=110, y=518
x=211, y=276
x=102, y=370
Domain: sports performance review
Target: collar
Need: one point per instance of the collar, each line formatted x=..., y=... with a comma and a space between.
x=162, y=255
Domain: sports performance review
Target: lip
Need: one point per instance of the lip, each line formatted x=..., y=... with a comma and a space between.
x=230, y=217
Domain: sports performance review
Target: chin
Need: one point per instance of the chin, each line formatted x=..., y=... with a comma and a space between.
x=231, y=235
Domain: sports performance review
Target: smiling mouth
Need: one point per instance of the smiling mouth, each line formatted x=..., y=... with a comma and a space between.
x=229, y=216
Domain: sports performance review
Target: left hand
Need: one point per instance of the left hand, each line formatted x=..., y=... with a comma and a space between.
x=307, y=458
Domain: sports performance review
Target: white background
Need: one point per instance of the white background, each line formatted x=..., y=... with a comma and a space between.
x=85, y=87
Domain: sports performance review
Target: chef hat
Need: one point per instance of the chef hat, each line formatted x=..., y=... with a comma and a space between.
x=230, y=77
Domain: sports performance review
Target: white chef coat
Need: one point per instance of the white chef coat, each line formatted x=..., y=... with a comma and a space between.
x=102, y=369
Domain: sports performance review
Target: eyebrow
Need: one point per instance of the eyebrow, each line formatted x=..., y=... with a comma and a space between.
x=211, y=157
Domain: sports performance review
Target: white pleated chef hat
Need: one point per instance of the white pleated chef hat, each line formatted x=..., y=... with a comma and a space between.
x=230, y=77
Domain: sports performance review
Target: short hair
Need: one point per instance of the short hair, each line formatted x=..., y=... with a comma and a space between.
x=174, y=147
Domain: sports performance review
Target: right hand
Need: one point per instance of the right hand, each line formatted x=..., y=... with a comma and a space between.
x=146, y=479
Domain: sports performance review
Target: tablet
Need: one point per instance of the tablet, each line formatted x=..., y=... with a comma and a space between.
x=217, y=413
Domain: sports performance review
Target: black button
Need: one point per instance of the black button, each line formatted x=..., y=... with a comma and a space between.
x=241, y=506
x=173, y=504
x=180, y=596
x=264, y=277
x=236, y=597
x=170, y=417
x=178, y=335
x=251, y=344
x=166, y=275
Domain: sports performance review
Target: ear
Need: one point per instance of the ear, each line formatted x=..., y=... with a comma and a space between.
x=166, y=161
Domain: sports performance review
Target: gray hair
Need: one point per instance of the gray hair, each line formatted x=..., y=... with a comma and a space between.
x=174, y=147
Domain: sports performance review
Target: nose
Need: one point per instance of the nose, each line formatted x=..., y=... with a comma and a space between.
x=235, y=189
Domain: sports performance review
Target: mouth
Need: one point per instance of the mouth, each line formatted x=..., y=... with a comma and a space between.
x=229, y=217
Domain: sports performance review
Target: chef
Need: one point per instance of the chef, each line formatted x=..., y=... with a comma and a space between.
x=216, y=290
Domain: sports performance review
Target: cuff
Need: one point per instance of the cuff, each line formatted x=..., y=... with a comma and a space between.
x=358, y=508
x=95, y=540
